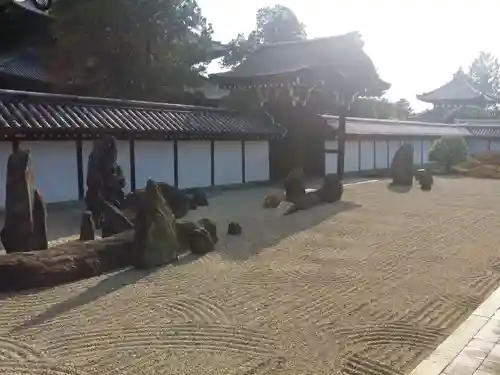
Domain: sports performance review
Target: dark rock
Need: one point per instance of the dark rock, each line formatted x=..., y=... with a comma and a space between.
x=105, y=180
x=25, y=225
x=402, y=166
x=199, y=197
x=307, y=201
x=156, y=241
x=39, y=240
x=192, y=204
x=332, y=189
x=271, y=201
x=178, y=201
x=200, y=241
x=425, y=179
x=295, y=185
x=211, y=227
x=87, y=228
x=234, y=229
x=114, y=221
x=65, y=263
x=184, y=230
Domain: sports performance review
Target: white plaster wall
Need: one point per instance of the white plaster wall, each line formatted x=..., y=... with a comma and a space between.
x=5, y=151
x=155, y=160
x=331, y=161
x=477, y=145
x=381, y=155
x=426, y=148
x=194, y=164
x=351, y=157
x=495, y=146
x=331, y=145
x=394, y=146
x=55, y=167
x=367, y=155
x=228, y=162
x=417, y=152
x=256, y=161
x=123, y=148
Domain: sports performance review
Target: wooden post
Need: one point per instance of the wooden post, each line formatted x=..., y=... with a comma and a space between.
x=341, y=141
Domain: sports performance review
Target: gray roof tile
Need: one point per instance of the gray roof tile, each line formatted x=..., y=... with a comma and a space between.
x=24, y=111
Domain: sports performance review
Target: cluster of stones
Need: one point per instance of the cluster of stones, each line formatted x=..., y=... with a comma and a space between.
x=402, y=170
x=297, y=197
x=141, y=229
x=152, y=213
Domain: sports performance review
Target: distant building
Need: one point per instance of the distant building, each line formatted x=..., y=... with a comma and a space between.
x=457, y=98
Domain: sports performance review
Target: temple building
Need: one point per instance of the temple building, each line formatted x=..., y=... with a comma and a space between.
x=456, y=99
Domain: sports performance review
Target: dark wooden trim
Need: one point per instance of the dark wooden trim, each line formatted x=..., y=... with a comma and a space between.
x=132, y=164
x=422, y=151
x=388, y=153
x=15, y=145
x=212, y=163
x=341, y=142
x=329, y=151
x=243, y=163
x=374, y=154
x=176, y=163
x=359, y=155
x=79, y=168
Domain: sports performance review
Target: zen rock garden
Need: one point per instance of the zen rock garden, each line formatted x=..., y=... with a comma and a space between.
x=144, y=229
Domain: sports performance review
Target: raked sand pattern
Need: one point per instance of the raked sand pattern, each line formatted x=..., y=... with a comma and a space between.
x=370, y=285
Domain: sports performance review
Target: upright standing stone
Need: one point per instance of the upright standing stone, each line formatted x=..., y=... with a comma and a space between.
x=332, y=189
x=105, y=180
x=25, y=226
x=87, y=228
x=155, y=234
x=402, y=166
x=295, y=186
x=39, y=239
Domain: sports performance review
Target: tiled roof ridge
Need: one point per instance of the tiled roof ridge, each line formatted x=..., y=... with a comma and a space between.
x=61, y=99
x=394, y=122
x=306, y=41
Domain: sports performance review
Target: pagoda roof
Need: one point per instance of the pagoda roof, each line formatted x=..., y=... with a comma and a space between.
x=459, y=89
x=341, y=55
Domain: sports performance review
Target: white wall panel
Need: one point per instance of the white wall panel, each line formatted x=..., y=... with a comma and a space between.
x=477, y=145
x=351, y=156
x=417, y=152
x=331, y=145
x=155, y=160
x=367, y=155
x=55, y=168
x=426, y=148
x=331, y=161
x=228, y=162
x=123, y=148
x=195, y=165
x=5, y=151
x=256, y=161
x=381, y=155
x=495, y=146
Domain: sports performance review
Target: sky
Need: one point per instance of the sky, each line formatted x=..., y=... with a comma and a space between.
x=416, y=45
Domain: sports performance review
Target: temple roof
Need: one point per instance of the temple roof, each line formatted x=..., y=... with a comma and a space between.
x=342, y=55
x=459, y=89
